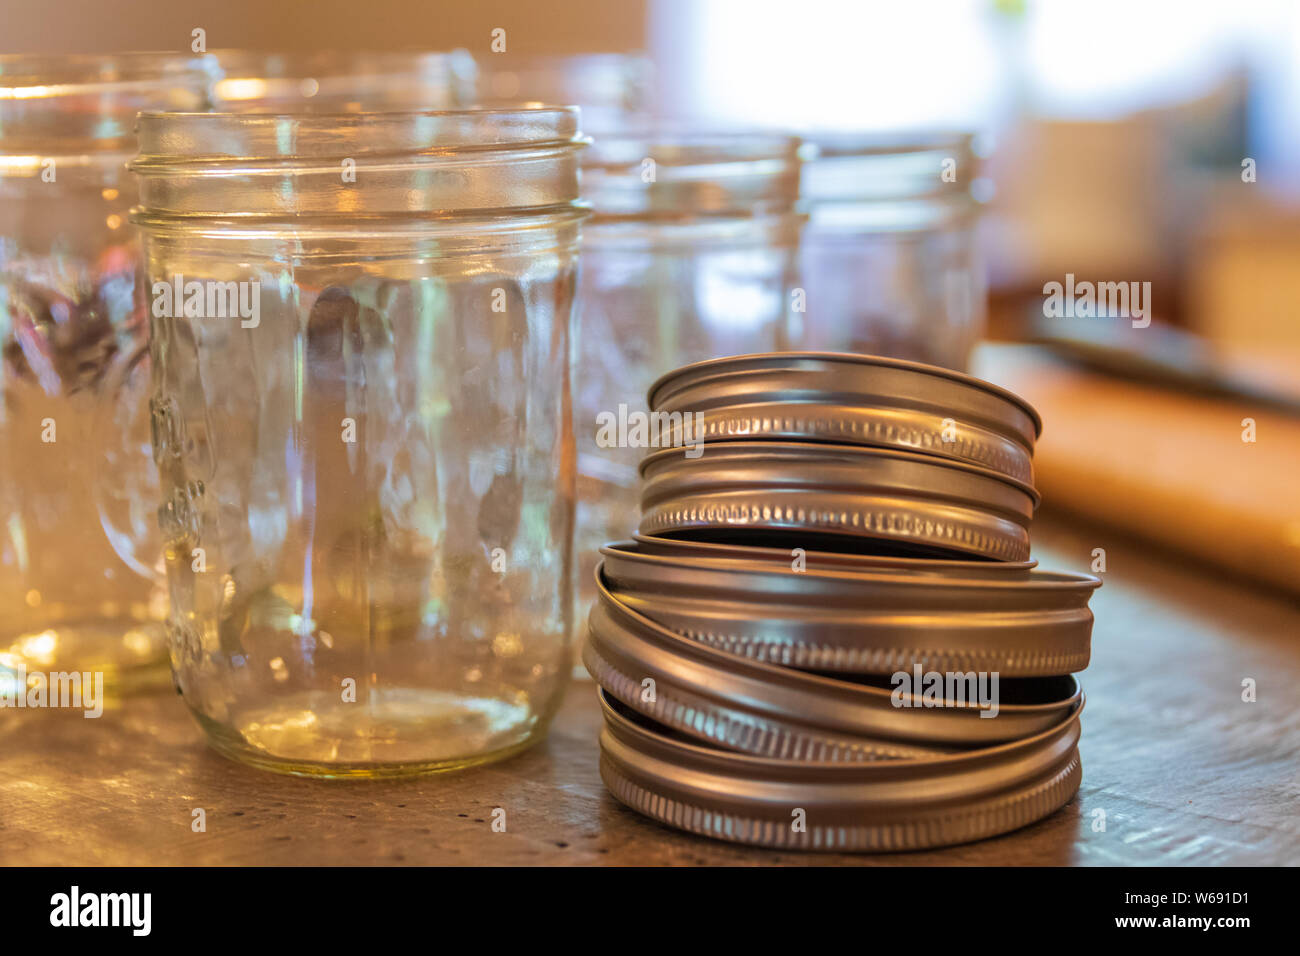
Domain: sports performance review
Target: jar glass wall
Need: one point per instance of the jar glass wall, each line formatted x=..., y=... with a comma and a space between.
x=690, y=254
x=73, y=421
x=890, y=257
x=368, y=486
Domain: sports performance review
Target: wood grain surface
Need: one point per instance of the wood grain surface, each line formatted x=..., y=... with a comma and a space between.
x=1186, y=772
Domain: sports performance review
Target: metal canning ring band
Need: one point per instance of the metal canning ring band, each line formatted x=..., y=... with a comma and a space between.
x=845, y=807
x=792, y=489
x=776, y=711
x=945, y=437
x=734, y=730
x=825, y=560
x=868, y=621
x=849, y=399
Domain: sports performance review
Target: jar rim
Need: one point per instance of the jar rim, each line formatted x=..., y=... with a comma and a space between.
x=36, y=76
x=238, y=61
x=667, y=175
x=871, y=168
x=272, y=81
x=320, y=166
x=690, y=147
x=322, y=119
x=844, y=144
x=81, y=108
x=592, y=77
x=171, y=139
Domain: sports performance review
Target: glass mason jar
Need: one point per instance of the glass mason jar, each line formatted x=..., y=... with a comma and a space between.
x=890, y=259
x=691, y=253
x=73, y=439
x=362, y=419
x=614, y=90
x=343, y=81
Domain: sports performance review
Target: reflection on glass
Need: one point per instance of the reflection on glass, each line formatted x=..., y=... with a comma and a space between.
x=73, y=414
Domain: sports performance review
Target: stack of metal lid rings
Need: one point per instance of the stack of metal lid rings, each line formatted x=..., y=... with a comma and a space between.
x=828, y=634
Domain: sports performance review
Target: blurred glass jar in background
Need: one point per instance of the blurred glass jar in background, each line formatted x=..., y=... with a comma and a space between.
x=73, y=423
x=363, y=426
x=890, y=259
x=690, y=254
x=343, y=81
x=615, y=90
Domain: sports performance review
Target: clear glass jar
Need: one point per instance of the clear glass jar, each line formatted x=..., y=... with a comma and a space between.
x=367, y=488
x=614, y=90
x=71, y=440
x=890, y=260
x=349, y=81
x=691, y=253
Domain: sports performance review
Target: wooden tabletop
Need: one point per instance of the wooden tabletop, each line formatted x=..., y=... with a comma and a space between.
x=1185, y=771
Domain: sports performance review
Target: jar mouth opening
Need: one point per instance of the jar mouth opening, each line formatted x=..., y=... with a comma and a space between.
x=450, y=223
x=676, y=175
x=878, y=168
x=692, y=148
x=172, y=141
x=596, y=79
x=81, y=108
x=350, y=81
x=316, y=166
x=309, y=120
x=522, y=62
x=46, y=76
x=844, y=145
x=299, y=63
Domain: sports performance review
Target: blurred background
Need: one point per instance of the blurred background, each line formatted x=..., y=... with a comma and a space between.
x=1113, y=141
x=1115, y=131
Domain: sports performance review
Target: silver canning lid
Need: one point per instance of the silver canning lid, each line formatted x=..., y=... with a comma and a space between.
x=774, y=711
x=1026, y=624
x=805, y=491
x=801, y=805
x=856, y=400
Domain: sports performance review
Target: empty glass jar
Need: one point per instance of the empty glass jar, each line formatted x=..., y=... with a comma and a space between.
x=362, y=421
x=73, y=425
x=890, y=259
x=690, y=254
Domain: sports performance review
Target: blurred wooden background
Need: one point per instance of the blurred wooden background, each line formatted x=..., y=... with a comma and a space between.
x=532, y=26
